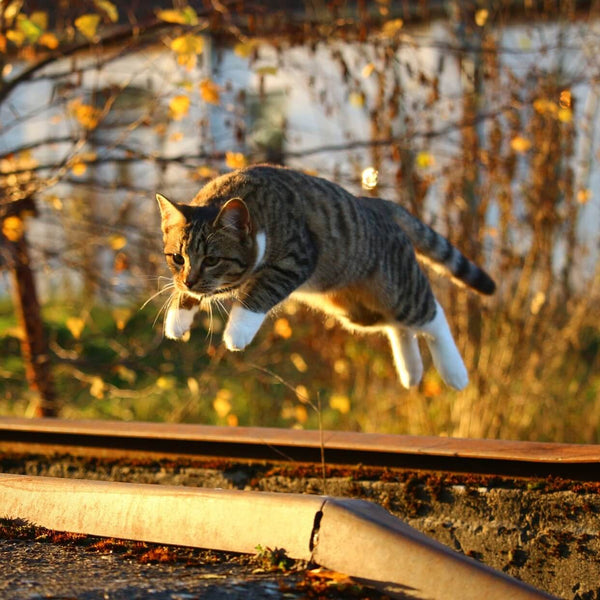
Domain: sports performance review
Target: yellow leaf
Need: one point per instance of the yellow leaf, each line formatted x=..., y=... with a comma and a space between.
x=299, y=362
x=340, y=402
x=205, y=172
x=193, y=386
x=235, y=160
x=245, y=49
x=49, y=40
x=525, y=42
x=210, y=91
x=341, y=367
x=29, y=29
x=121, y=316
x=301, y=413
x=16, y=37
x=12, y=10
x=54, y=201
x=39, y=18
x=78, y=168
x=179, y=106
x=432, y=388
x=222, y=403
x=87, y=25
x=565, y=114
x=282, y=328
x=302, y=393
x=117, y=241
x=87, y=115
x=185, y=16
x=481, y=17
x=187, y=47
x=327, y=575
x=266, y=70
x=126, y=374
x=13, y=228
x=537, y=303
x=367, y=70
x=171, y=16
x=97, y=388
x=165, y=383
x=75, y=325
x=232, y=420
x=108, y=8
x=188, y=44
x=545, y=106
x=187, y=60
x=565, y=99
x=391, y=28
x=520, y=144
x=357, y=99
x=425, y=160
x=584, y=196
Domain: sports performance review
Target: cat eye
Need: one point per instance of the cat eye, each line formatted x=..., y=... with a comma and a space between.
x=178, y=259
x=210, y=261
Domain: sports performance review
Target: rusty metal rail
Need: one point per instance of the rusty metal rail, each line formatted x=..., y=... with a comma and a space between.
x=494, y=457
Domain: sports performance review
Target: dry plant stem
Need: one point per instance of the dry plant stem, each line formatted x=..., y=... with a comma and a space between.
x=316, y=407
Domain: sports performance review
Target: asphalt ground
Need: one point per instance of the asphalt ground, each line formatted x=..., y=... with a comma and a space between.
x=40, y=564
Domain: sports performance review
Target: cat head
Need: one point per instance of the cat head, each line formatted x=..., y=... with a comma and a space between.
x=209, y=251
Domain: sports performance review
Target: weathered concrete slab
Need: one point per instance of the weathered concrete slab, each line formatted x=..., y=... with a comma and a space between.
x=351, y=536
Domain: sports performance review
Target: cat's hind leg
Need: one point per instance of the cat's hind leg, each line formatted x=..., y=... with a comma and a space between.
x=407, y=357
x=445, y=354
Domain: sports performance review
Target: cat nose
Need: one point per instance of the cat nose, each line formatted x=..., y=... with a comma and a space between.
x=189, y=282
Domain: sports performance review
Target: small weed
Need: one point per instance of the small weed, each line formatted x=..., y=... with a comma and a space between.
x=273, y=559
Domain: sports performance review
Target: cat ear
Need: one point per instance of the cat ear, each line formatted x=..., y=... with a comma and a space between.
x=171, y=215
x=234, y=215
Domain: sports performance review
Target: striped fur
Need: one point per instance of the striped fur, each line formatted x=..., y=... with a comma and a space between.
x=264, y=233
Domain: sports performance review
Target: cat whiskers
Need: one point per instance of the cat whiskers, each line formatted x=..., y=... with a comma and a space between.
x=175, y=295
x=168, y=287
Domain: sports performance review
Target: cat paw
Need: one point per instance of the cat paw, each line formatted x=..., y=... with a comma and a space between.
x=407, y=357
x=178, y=323
x=445, y=354
x=241, y=328
x=456, y=377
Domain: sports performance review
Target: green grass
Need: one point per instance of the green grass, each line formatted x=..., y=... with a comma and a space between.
x=300, y=371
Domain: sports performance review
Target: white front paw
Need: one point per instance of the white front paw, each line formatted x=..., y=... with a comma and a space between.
x=178, y=323
x=241, y=328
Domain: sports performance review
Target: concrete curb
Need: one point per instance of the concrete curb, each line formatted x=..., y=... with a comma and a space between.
x=355, y=537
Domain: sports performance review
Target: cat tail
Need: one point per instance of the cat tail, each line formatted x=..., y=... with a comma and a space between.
x=432, y=246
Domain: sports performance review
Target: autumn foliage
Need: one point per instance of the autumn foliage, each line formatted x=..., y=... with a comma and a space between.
x=480, y=121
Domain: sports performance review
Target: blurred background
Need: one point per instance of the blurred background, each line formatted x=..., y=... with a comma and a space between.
x=481, y=117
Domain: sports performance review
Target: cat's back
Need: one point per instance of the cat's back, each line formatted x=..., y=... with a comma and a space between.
x=273, y=193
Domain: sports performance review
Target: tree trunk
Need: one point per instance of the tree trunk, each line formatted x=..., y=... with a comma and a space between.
x=34, y=344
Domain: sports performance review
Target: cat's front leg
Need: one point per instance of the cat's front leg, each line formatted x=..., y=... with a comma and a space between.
x=179, y=319
x=242, y=326
x=267, y=288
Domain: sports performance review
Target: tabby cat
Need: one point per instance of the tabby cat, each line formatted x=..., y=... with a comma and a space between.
x=263, y=233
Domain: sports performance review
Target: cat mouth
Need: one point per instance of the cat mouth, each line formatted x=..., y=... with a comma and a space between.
x=211, y=293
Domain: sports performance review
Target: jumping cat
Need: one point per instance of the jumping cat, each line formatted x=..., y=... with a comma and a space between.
x=264, y=233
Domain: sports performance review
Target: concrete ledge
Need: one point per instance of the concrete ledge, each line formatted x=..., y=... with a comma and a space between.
x=355, y=537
